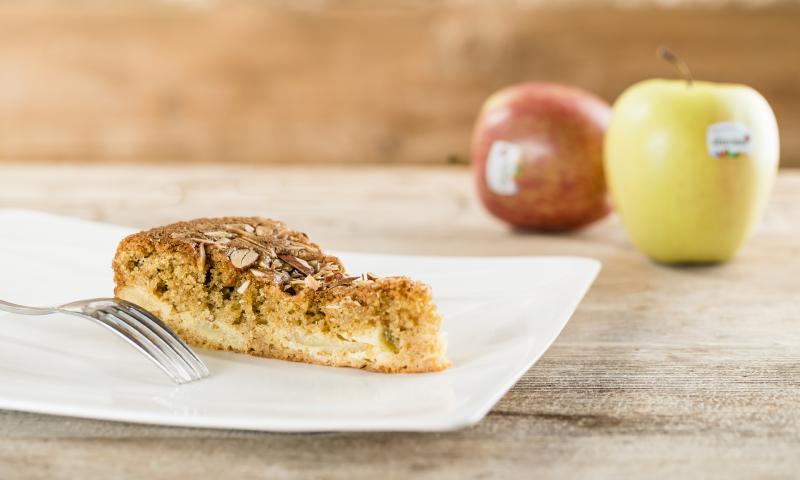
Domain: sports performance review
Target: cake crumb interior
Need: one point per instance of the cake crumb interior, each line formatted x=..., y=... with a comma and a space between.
x=383, y=324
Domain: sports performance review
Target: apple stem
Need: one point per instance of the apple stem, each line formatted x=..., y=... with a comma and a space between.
x=665, y=53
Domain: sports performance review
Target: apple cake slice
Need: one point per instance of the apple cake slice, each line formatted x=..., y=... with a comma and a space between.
x=252, y=285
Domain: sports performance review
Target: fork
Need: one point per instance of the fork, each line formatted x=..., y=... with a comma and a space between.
x=136, y=326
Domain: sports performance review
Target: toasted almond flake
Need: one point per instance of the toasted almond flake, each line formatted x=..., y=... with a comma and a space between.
x=223, y=241
x=302, y=246
x=252, y=242
x=371, y=276
x=201, y=240
x=218, y=234
x=258, y=273
x=344, y=281
x=297, y=263
x=263, y=231
x=312, y=283
x=241, y=232
x=328, y=268
x=281, y=277
x=201, y=257
x=243, y=257
x=248, y=228
x=243, y=287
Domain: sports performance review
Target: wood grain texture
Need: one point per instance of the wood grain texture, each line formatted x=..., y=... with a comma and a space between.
x=333, y=82
x=661, y=373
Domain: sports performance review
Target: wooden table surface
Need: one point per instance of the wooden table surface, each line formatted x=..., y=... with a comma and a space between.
x=661, y=373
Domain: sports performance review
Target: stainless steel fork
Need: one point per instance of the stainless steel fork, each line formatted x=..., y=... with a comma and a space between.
x=135, y=325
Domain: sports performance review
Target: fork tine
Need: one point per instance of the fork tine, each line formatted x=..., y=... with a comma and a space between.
x=167, y=335
x=167, y=353
x=134, y=339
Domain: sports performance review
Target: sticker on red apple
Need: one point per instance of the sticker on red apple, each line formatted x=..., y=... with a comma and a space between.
x=502, y=167
x=728, y=139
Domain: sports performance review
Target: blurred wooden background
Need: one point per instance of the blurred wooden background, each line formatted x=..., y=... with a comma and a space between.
x=384, y=81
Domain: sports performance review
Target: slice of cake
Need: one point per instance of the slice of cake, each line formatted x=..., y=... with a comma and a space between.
x=252, y=285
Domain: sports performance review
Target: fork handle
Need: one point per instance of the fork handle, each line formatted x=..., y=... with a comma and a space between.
x=22, y=309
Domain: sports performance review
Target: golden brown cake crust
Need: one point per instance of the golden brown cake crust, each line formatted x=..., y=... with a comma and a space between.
x=264, y=250
x=272, y=275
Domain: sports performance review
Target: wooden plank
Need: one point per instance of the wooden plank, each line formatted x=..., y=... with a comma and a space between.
x=662, y=372
x=267, y=83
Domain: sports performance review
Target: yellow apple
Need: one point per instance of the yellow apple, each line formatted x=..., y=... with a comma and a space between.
x=689, y=166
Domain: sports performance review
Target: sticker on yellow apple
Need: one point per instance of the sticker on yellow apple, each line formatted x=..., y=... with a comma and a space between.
x=728, y=139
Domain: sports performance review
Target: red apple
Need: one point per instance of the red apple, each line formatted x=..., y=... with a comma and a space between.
x=537, y=154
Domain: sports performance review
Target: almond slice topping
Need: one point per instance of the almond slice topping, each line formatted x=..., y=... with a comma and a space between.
x=218, y=234
x=281, y=277
x=343, y=281
x=201, y=260
x=201, y=240
x=243, y=257
x=243, y=287
x=312, y=283
x=297, y=263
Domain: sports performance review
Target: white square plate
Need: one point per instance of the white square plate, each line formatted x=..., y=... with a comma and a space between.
x=501, y=314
